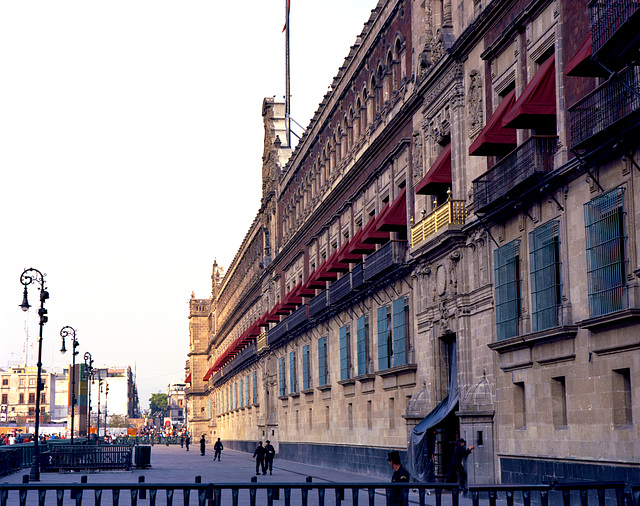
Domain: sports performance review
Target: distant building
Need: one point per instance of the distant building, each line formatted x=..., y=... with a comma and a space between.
x=18, y=394
x=176, y=404
x=114, y=392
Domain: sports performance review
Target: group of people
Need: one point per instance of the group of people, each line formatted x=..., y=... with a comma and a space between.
x=264, y=457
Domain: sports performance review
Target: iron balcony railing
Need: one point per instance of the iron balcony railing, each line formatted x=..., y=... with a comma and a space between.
x=387, y=256
x=340, y=289
x=247, y=354
x=451, y=212
x=316, y=493
x=357, y=277
x=607, y=105
x=278, y=331
x=318, y=303
x=607, y=17
x=532, y=157
x=298, y=317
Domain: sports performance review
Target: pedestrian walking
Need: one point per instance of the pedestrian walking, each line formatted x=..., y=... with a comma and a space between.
x=398, y=497
x=187, y=441
x=270, y=452
x=457, y=463
x=217, y=448
x=259, y=456
x=203, y=445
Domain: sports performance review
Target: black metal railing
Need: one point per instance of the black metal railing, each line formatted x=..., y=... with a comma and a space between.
x=87, y=458
x=278, y=331
x=298, y=317
x=387, y=256
x=245, y=355
x=608, y=104
x=308, y=492
x=607, y=17
x=532, y=157
x=318, y=303
x=340, y=289
x=357, y=277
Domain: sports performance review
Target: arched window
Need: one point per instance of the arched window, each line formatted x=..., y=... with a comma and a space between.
x=351, y=127
x=362, y=108
x=400, y=65
x=371, y=101
x=390, y=77
x=381, y=88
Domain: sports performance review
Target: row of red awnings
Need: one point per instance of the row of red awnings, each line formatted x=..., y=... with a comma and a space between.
x=535, y=106
x=392, y=218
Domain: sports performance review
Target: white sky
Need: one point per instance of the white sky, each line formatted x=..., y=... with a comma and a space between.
x=130, y=157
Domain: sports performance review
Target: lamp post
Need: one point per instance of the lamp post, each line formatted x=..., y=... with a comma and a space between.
x=71, y=333
x=99, y=392
x=88, y=364
x=106, y=396
x=27, y=277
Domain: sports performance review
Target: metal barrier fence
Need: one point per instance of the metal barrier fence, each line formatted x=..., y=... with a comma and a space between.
x=86, y=458
x=308, y=493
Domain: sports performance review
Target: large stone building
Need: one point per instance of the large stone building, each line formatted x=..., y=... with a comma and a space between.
x=450, y=251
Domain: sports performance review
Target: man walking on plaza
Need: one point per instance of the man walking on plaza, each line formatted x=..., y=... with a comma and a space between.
x=270, y=453
x=203, y=445
x=457, y=463
x=259, y=456
x=217, y=448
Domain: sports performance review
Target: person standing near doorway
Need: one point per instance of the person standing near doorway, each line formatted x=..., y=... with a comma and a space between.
x=259, y=455
x=397, y=497
x=203, y=445
x=457, y=463
x=270, y=454
x=217, y=448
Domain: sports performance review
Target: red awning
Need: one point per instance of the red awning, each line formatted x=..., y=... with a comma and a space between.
x=188, y=378
x=395, y=219
x=293, y=298
x=581, y=65
x=538, y=100
x=370, y=235
x=208, y=375
x=356, y=246
x=494, y=139
x=306, y=290
x=339, y=264
x=323, y=272
x=438, y=177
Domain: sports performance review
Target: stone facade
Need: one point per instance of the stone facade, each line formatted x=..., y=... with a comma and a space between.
x=426, y=244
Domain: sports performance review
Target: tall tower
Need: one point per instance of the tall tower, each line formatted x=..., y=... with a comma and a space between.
x=196, y=396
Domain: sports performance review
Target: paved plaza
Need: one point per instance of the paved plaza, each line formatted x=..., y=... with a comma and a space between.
x=172, y=464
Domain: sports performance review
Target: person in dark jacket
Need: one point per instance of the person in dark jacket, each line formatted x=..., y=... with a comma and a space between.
x=457, y=463
x=217, y=448
x=187, y=441
x=203, y=445
x=400, y=475
x=259, y=455
x=268, y=459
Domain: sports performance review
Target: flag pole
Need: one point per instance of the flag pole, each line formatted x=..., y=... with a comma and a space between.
x=287, y=98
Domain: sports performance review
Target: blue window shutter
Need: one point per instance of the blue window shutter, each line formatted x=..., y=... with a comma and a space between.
x=606, y=253
x=255, y=386
x=344, y=352
x=507, y=290
x=292, y=372
x=544, y=264
x=362, y=346
x=305, y=367
x=322, y=361
x=283, y=388
x=383, y=345
x=399, y=333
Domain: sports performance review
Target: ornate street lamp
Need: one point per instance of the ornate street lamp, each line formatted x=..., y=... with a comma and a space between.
x=27, y=277
x=88, y=364
x=71, y=333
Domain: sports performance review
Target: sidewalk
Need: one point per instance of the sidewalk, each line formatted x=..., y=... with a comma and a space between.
x=172, y=464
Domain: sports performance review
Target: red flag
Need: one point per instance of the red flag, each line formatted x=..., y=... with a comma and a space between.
x=288, y=10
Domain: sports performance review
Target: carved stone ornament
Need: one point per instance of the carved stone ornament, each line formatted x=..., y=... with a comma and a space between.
x=417, y=157
x=441, y=280
x=474, y=101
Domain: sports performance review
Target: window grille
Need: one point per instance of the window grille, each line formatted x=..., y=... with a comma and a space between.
x=293, y=384
x=322, y=361
x=385, y=346
x=399, y=332
x=345, y=362
x=246, y=391
x=508, y=302
x=362, y=336
x=546, y=288
x=606, y=258
x=240, y=399
x=255, y=387
x=283, y=386
x=305, y=367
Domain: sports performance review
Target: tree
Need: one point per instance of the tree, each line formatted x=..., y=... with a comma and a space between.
x=118, y=421
x=158, y=404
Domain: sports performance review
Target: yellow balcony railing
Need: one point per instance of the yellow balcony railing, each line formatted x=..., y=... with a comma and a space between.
x=452, y=212
x=262, y=341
